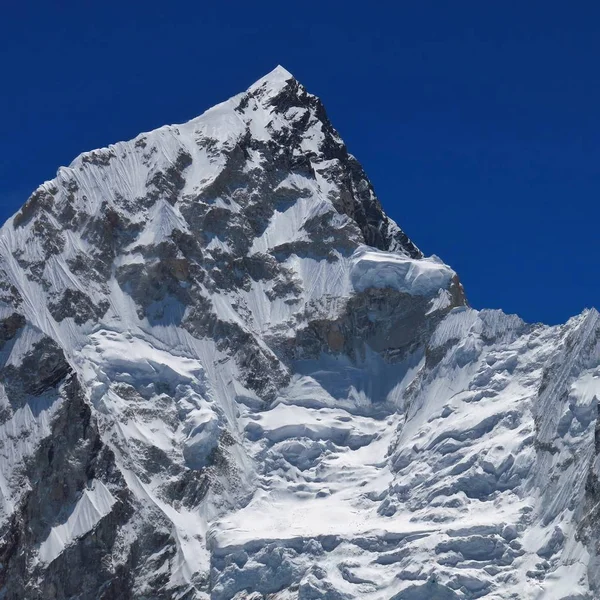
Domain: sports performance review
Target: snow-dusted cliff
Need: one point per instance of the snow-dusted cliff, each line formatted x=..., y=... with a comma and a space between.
x=226, y=373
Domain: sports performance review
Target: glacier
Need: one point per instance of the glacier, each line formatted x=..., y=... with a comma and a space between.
x=227, y=374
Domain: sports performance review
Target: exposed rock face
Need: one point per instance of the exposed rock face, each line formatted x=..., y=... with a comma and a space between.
x=226, y=373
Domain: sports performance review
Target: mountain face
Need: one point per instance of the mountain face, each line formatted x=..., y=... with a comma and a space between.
x=226, y=373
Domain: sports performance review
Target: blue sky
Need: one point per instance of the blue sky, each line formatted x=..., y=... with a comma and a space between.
x=478, y=122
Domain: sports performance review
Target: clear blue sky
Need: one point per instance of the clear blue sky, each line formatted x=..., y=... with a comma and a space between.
x=478, y=122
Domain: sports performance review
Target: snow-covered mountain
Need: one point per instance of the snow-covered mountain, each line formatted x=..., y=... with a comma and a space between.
x=226, y=373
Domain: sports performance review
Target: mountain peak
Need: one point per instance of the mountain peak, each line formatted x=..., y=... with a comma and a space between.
x=226, y=373
x=278, y=74
x=273, y=83
x=276, y=126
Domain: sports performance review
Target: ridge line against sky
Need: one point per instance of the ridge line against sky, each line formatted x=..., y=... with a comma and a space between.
x=478, y=125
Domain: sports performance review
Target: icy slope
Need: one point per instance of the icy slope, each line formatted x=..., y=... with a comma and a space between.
x=457, y=493
x=230, y=375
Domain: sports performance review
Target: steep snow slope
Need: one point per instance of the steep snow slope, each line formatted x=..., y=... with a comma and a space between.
x=226, y=373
